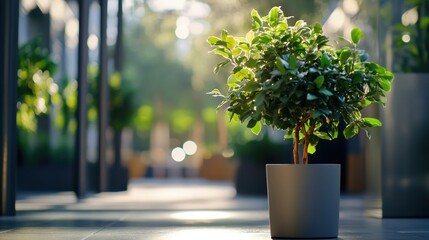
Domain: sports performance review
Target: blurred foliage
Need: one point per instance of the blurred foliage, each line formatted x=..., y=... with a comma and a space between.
x=143, y=120
x=167, y=77
x=406, y=23
x=36, y=149
x=158, y=76
x=36, y=88
x=209, y=115
x=37, y=95
x=121, y=105
x=65, y=118
x=172, y=75
x=182, y=120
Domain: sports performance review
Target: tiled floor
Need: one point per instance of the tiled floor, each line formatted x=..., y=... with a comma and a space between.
x=176, y=210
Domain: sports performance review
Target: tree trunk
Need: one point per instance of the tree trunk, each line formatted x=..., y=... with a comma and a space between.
x=305, y=150
x=306, y=143
x=296, y=145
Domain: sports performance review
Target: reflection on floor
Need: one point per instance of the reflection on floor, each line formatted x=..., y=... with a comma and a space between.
x=177, y=209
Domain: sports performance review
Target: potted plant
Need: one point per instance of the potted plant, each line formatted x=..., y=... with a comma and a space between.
x=290, y=78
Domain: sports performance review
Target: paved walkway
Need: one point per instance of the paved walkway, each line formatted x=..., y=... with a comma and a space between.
x=177, y=210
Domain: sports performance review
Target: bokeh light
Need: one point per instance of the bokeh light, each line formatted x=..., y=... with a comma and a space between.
x=182, y=32
x=351, y=7
x=406, y=38
x=178, y=154
x=410, y=17
x=92, y=42
x=190, y=147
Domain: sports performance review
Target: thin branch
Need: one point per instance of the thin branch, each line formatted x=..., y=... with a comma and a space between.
x=306, y=143
x=296, y=145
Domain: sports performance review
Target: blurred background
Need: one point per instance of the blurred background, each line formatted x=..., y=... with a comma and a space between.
x=160, y=122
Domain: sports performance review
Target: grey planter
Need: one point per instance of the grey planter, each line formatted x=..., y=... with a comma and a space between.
x=303, y=200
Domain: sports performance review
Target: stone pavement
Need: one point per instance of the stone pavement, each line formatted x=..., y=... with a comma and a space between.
x=178, y=210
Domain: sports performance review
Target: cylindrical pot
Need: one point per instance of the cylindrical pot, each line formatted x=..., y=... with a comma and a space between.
x=303, y=200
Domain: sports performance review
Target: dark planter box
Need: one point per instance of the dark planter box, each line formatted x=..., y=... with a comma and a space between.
x=405, y=148
x=250, y=179
x=45, y=178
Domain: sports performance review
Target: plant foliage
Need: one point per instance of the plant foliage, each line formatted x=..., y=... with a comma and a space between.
x=36, y=88
x=290, y=78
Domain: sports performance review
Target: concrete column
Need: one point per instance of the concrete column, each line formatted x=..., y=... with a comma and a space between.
x=103, y=100
x=8, y=99
x=80, y=181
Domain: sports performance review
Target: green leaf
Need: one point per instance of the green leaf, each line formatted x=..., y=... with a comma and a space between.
x=319, y=81
x=282, y=27
x=236, y=51
x=333, y=132
x=322, y=135
x=325, y=92
x=255, y=40
x=259, y=99
x=311, y=97
x=372, y=122
x=240, y=39
x=216, y=93
x=243, y=115
x=244, y=46
x=265, y=38
x=365, y=103
x=219, y=66
x=221, y=52
x=388, y=75
x=251, y=123
x=223, y=35
x=357, y=35
x=322, y=41
x=384, y=84
x=257, y=128
x=276, y=73
x=325, y=111
x=232, y=81
x=213, y=40
x=317, y=28
x=311, y=149
x=357, y=77
x=230, y=42
x=325, y=61
x=250, y=36
x=350, y=131
x=276, y=85
x=242, y=73
x=251, y=63
x=300, y=24
x=317, y=114
x=345, y=54
x=251, y=86
x=313, y=70
x=274, y=16
x=256, y=20
x=280, y=65
x=288, y=136
x=292, y=62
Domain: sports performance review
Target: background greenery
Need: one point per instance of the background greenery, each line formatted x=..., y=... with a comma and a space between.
x=164, y=80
